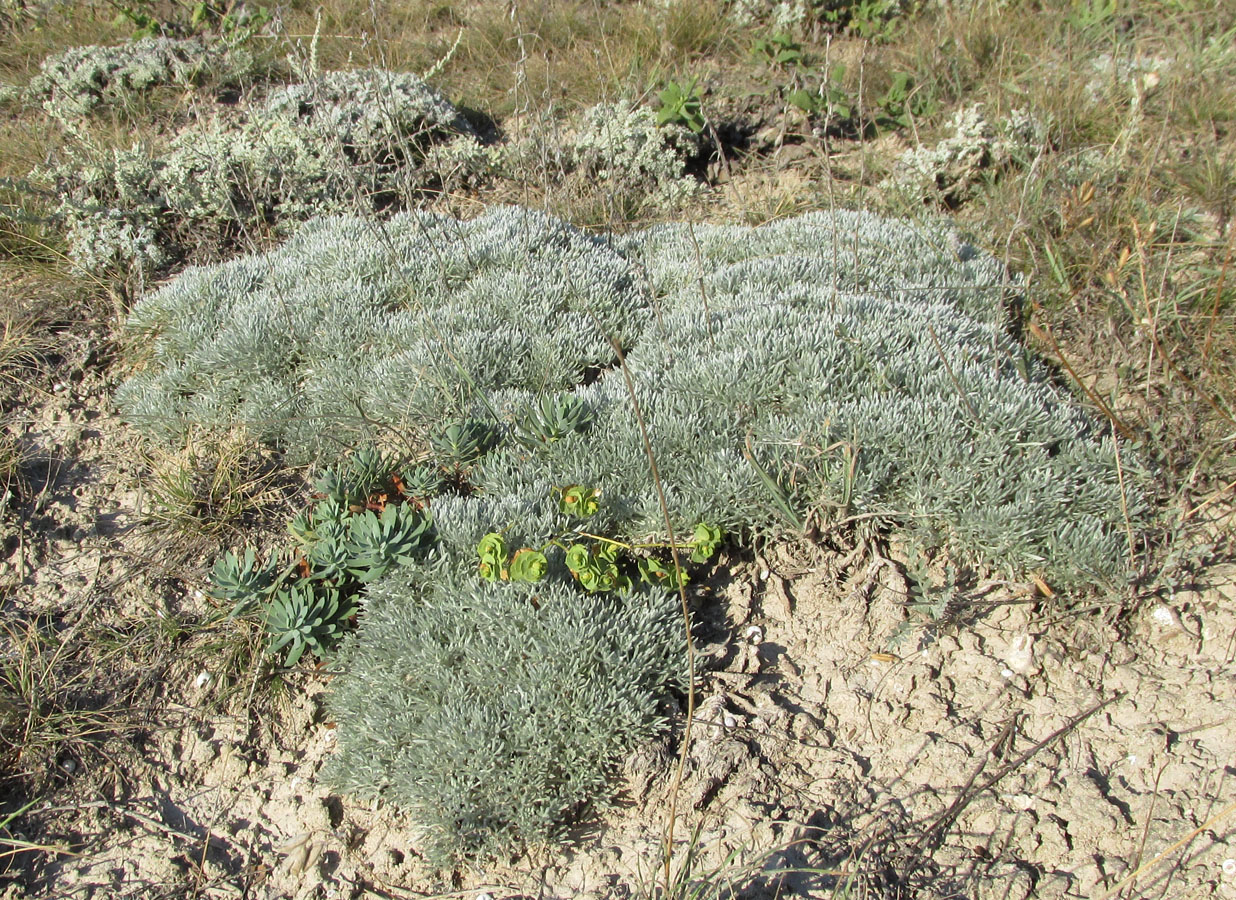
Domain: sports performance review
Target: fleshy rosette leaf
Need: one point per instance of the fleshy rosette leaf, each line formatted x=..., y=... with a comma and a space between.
x=551, y=418
x=301, y=618
x=399, y=535
x=528, y=565
x=492, y=553
x=579, y=501
x=463, y=443
x=241, y=579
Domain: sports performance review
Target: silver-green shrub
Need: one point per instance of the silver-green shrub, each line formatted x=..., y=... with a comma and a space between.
x=492, y=712
x=952, y=169
x=74, y=83
x=841, y=363
x=345, y=142
x=353, y=328
x=621, y=145
x=837, y=363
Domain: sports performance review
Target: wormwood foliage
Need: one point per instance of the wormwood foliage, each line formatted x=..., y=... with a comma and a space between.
x=834, y=365
x=78, y=81
x=638, y=152
x=345, y=141
x=828, y=366
x=399, y=325
x=493, y=710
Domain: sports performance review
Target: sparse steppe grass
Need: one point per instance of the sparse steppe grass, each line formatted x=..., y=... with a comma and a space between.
x=1121, y=224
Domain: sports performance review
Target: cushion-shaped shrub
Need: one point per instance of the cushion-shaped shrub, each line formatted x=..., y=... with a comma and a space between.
x=621, y=145
x=79, y=80
x=491, y=711
x=345, y=142
x=836, y=364
x=353, y=328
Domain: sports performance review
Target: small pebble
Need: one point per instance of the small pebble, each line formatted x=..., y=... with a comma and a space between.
x=1229, y=867
x=1165, y=616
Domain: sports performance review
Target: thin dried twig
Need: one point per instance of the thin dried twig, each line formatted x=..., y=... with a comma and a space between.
x=933, y=835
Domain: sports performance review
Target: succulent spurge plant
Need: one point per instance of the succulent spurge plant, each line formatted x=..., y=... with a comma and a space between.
x=361, y=525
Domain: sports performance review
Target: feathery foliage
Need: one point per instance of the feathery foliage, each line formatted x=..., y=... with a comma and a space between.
x=831, y=365
x=344, y=142
x=492, y=711
x=393, y=327
x=834, y=364
x=78, y=81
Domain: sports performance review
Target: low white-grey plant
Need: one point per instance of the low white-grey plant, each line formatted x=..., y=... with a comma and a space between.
x=977, y=148
x=780, y=15
x=346, y=142
x=74, y=83
x=834, y=365
x=621, y=145
x=395, y=325
x=495, y=713
x=837, y=362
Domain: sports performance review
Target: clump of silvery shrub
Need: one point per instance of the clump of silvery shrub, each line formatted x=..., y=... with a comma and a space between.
x=495, y=713
x=353, y=328
x=835, y=362
x=614, y=152
x=347, y=141
x=977, y=149
x=621, y=146
x=780, y=15
x=837, y=365
x=74, y=83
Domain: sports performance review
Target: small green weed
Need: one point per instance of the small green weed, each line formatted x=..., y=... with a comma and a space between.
x=830, y=101
x=681, y=105
x=903, y=103
x=778, y=50
x=232, y=19
x=1090, y=15
x=872, y=20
